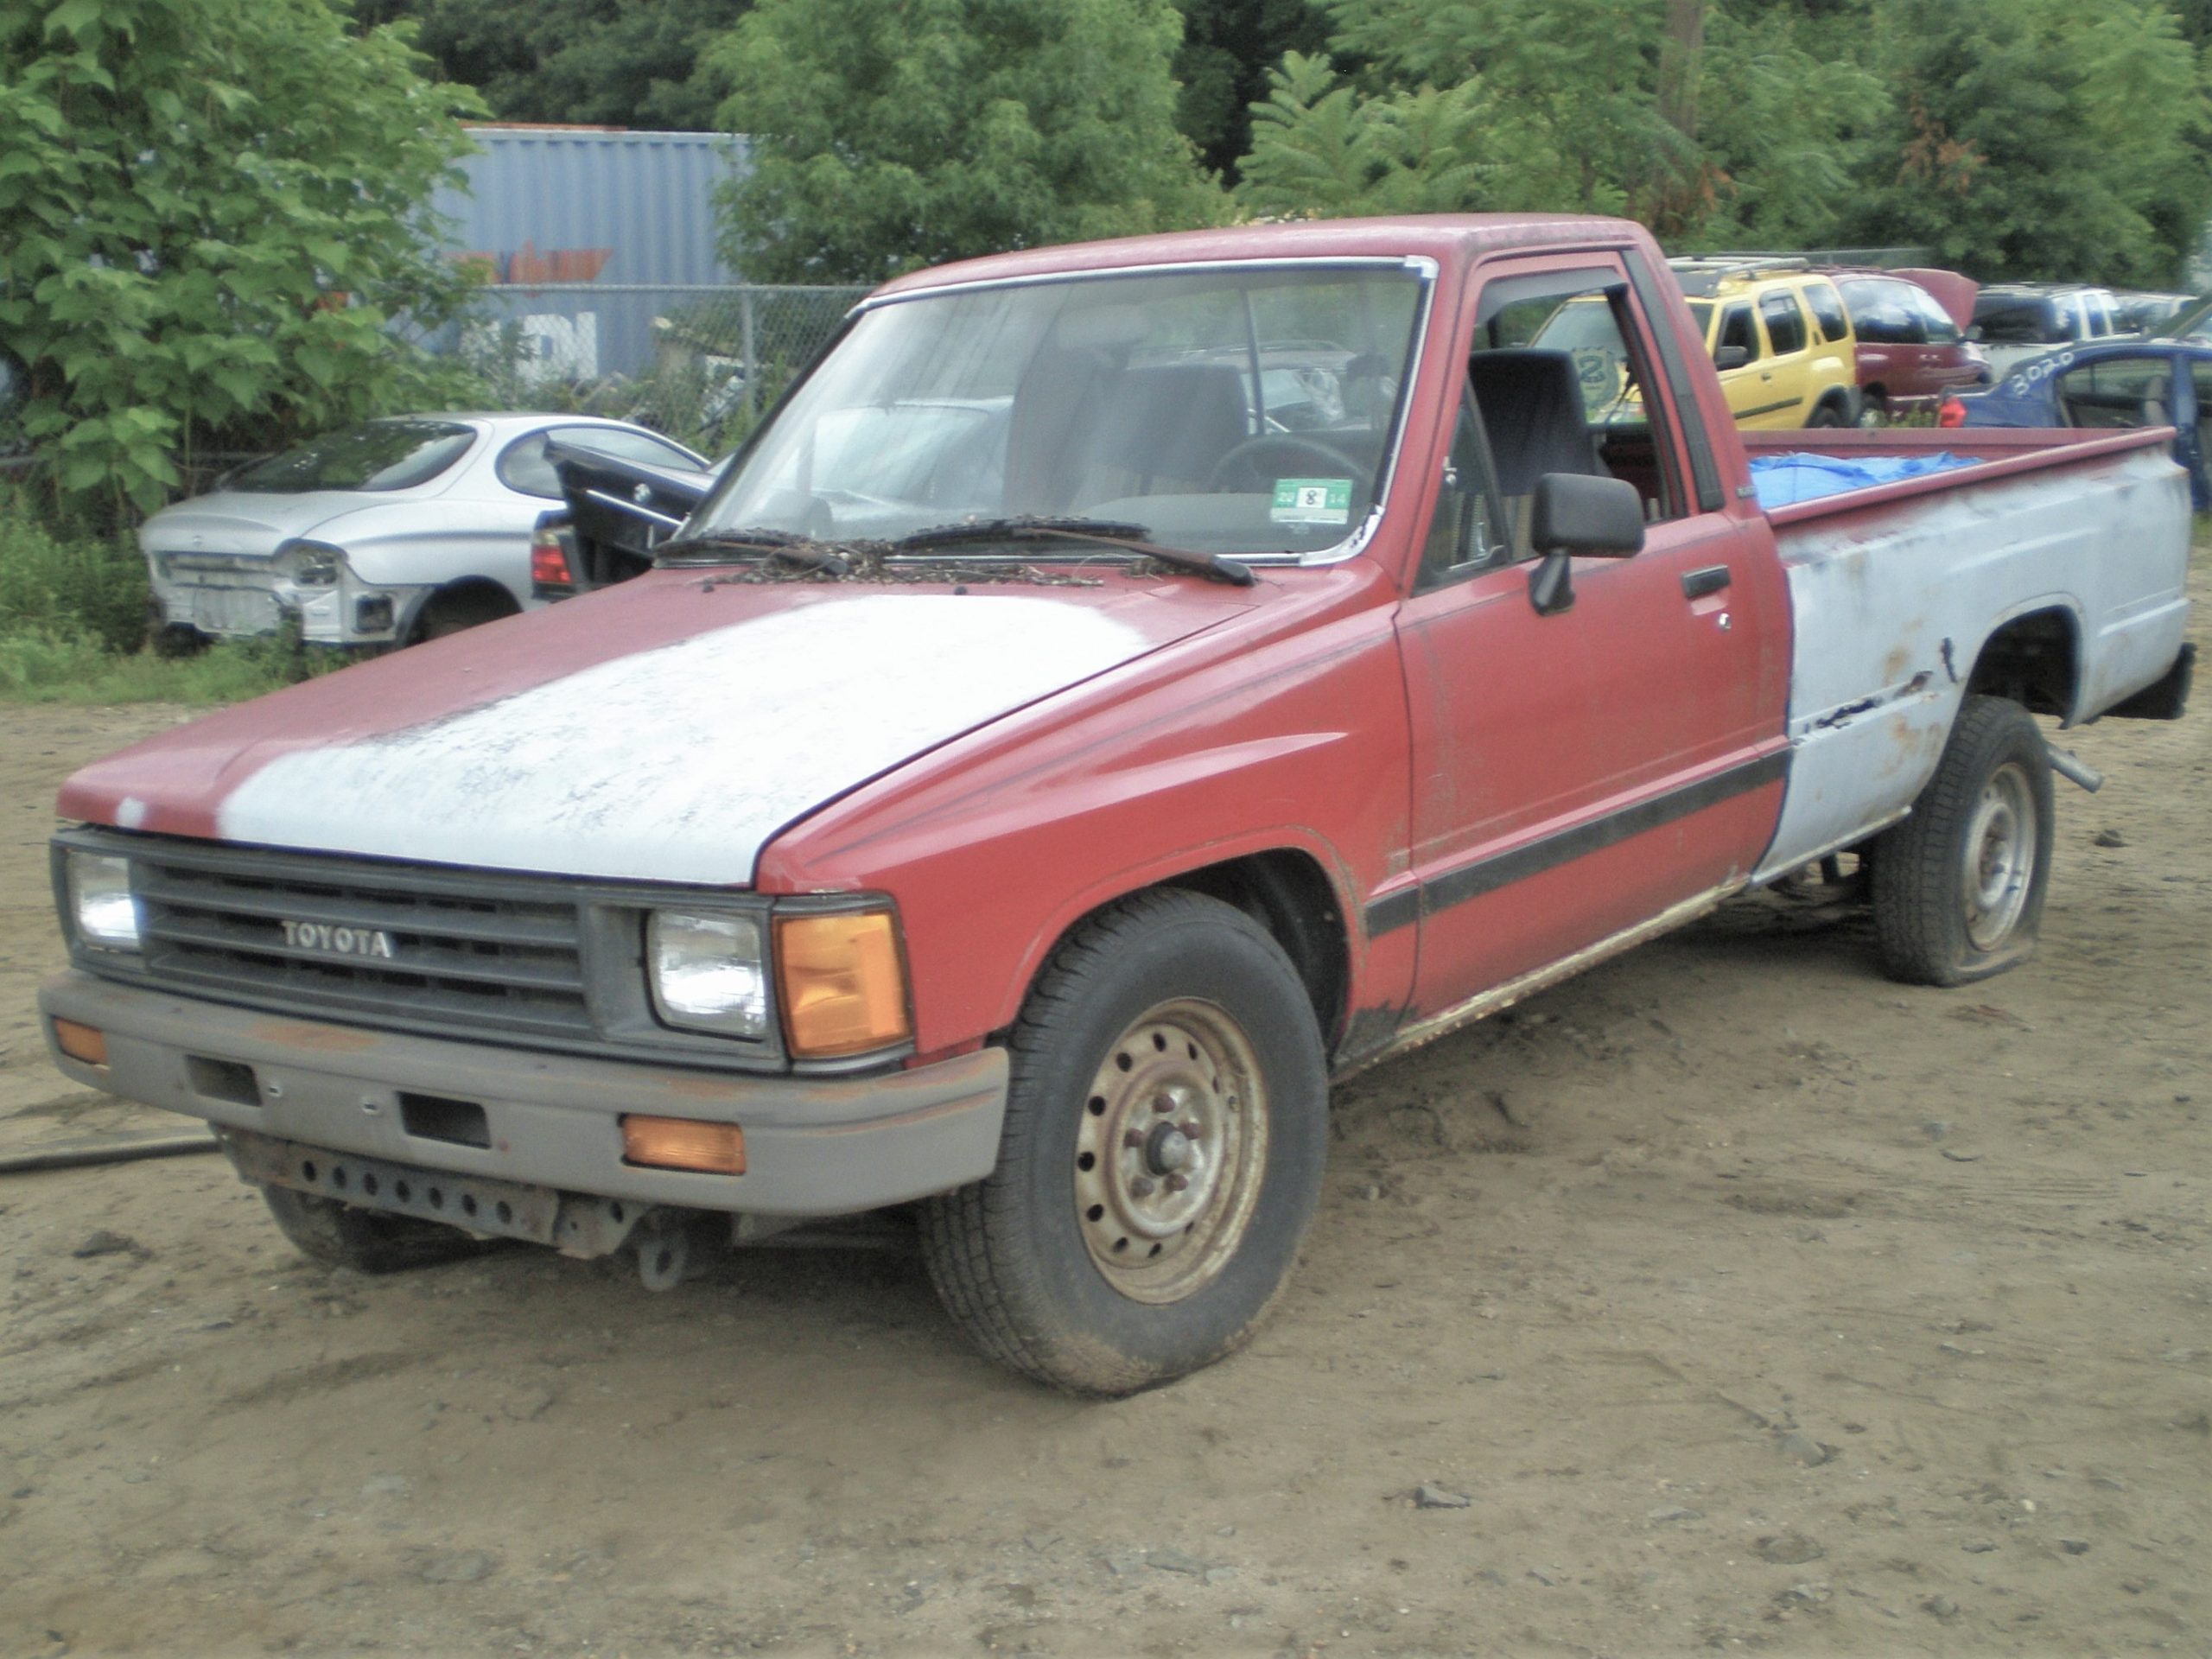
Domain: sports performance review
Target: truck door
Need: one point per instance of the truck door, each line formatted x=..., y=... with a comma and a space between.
x=1578, y=774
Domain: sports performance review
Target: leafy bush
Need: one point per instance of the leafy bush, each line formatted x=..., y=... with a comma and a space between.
x=212, y=213
x=87, y=589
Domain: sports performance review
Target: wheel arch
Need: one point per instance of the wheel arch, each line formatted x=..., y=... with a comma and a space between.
x=2034, y=660
x=485, y=594
x=1288, y=890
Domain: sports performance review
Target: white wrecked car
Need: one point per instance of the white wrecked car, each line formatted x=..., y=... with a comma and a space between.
x=392, y=531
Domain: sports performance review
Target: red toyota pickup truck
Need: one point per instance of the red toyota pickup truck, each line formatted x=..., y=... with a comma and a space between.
x=1121, y=688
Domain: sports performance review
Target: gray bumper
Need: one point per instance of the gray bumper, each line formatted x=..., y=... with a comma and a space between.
x=814, y=1145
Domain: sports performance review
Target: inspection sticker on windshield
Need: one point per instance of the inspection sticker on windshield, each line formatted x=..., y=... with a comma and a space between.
x=1311, y=501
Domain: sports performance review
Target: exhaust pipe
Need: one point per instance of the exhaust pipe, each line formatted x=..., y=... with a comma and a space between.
x=2075, y=769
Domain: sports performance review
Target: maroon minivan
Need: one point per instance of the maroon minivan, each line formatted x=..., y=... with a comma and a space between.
x=1912, y=346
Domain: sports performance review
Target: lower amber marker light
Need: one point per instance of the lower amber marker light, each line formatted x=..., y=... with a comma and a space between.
x=683, y=1143
x=84, y=1044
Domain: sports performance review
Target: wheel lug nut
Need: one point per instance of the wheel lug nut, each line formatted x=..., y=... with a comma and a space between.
x=1177, y=1183
x=1163, y=1104
x=1190, y=1128
x=1133, y=1138
x=1141, y=1187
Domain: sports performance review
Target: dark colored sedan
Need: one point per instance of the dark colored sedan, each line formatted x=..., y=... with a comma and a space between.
x=2111, y=384
x=1912, y=351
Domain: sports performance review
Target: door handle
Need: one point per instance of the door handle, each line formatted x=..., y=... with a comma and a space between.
x=1696, y=584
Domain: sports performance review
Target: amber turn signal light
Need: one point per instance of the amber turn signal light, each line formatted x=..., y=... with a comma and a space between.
x=844, y=988
x=683, y=1143
x=80, y=1043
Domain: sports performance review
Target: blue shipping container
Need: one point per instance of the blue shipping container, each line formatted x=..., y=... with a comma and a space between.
x=552, y=212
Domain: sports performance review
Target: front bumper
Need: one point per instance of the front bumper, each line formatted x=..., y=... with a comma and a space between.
x=814, y=1145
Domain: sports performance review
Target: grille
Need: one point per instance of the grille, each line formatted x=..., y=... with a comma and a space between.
x=465, y=950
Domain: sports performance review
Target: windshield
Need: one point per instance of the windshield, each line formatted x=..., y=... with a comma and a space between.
x=1243, y=409
x=381, y=456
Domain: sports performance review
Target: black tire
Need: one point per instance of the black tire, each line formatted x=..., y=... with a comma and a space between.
x=362, y=1240
x=1167, y=996
x=1959, y=885
x=1829, y=414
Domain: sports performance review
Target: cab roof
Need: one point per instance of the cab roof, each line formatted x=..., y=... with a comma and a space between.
x=1454, y=240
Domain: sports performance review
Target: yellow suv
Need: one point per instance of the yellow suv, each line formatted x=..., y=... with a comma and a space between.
x=1780, y=338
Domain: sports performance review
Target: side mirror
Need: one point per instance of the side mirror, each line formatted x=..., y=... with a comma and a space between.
x=1571, y=514
x=1730, y=357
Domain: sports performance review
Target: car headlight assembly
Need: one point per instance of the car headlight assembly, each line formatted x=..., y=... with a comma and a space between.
x=310, y=564
x=102, y=908
x=708, y=971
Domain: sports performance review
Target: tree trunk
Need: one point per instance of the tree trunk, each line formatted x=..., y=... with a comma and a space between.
x=1679, y=65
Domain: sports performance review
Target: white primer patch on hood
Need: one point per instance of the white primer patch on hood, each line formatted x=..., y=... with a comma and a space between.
x=679, y=763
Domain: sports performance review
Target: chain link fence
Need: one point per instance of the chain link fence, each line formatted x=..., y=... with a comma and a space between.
x=701, y=363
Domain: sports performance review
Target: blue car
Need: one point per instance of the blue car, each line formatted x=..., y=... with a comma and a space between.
x=2110, y=383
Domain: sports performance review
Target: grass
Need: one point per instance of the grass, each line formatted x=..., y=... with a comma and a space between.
x=73, y=608
x=36, y=667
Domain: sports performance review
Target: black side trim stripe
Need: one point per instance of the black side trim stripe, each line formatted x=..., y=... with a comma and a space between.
x=1487, y=875
x=1768, y=409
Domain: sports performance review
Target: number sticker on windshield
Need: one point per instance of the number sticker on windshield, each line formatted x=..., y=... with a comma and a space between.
x=1311, y=501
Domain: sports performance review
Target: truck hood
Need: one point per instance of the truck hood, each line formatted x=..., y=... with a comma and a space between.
x=663, y=730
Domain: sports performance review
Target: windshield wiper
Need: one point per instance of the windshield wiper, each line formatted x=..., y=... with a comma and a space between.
x=761, y=540
x=1130, y=538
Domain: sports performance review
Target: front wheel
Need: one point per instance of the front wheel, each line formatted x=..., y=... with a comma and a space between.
x=1164, y=1135
x=1959, y=885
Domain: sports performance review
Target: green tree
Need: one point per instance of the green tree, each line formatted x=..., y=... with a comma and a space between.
x=2039, y=138
x=625, y=63
x=889, y=134
x=1228, y=46
x=210, y=210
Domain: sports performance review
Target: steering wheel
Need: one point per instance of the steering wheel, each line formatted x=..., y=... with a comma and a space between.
x=1243, y=463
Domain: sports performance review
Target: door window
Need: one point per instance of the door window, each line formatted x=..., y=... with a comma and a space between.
x=523, y=466
x=1785, y=323
x=1555, y=383
x=1736, y=329
x=1827, y=307
x=2122, y=391
x=1936, y=327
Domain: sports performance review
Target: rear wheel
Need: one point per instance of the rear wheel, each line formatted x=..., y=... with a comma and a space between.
x=1959, y=885
x=1164, y=1135
x=346, y=1237
x=1830, y=414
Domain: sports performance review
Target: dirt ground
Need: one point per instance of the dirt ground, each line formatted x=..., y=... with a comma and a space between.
x=1728, y=1298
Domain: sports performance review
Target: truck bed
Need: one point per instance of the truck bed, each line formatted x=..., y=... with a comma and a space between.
x=1896, y=589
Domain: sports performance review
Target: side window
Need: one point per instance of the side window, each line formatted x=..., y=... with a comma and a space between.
x=1464, y=537
x=1555, y=383
x=1785, y=323
x=2123, y=391
x=522, y=466
x=1736, y=330
x=2064, y=322
x=1828, y=311
x=1935, y=323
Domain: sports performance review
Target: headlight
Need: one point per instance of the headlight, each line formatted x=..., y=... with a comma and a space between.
x=310, y=564
x=101, y=904
x=707, y=972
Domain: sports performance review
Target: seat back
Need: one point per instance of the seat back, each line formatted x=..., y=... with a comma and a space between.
x=1530, y=399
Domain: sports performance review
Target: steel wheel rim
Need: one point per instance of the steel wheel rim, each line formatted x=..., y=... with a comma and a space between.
x=2000, y=851
x=1169, y=1151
